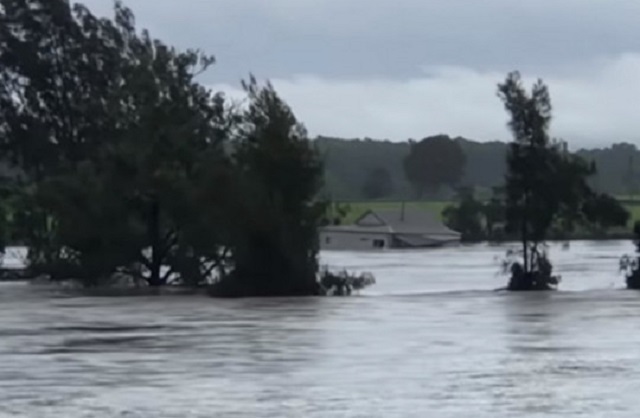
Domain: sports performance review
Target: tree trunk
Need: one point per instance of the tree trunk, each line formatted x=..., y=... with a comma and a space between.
x=525, y=238
x=525, y=247
x=155, y=279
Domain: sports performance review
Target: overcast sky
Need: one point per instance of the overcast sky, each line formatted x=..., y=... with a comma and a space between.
x=401, y=69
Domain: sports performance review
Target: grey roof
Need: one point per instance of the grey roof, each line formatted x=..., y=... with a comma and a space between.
x=358, y=229
x=409, y=221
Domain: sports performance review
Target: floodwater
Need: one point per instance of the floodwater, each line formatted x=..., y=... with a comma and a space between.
x=431, y=339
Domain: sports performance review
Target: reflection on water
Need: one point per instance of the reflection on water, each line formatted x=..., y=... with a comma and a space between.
x=430, y=339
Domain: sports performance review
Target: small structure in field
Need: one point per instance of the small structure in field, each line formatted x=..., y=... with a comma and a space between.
x=380, y=229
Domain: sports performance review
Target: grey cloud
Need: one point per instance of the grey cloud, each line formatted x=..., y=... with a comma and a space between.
x=390, y=38
x=409, y=68
x=590, y=109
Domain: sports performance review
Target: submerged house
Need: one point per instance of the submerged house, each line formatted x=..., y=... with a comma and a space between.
x=402, y=228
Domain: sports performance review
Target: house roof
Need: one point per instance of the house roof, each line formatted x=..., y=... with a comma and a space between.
x=382, y=230
x=410, y=221
x=407, y=221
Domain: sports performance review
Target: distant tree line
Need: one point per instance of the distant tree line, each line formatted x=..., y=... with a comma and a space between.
x=350, y=163
x=129, y=167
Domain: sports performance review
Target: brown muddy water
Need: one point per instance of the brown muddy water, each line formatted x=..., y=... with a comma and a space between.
x=429, y=340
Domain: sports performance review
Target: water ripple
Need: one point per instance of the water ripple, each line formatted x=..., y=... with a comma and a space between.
x=431, y=339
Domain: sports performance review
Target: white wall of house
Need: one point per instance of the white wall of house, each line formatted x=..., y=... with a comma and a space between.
x=341, y=240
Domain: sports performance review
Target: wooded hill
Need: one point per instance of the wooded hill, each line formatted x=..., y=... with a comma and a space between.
x=349, y=163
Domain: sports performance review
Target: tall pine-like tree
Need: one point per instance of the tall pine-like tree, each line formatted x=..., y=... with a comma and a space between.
x=545, y=185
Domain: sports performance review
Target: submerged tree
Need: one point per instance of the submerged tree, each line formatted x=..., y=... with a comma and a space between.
x=109, y=127
x=132, y=168
x=544, y=183
x=172, y=124
x=276, y=207
x=56, y=73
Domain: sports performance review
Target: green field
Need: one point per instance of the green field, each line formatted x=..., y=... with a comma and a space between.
x=358, y=208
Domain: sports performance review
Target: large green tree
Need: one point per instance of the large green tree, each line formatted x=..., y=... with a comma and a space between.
x=58, y=68
x=434, y=162
x=133, y=168
x=172, y=123
x=112, y=131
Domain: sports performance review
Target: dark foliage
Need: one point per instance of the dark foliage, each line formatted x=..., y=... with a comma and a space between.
x=133, y=169
x=344, y=283
x=335, y=213
x=348, y=162
x=474, y=219
x=108, y=126
x=630, y=265
x=277, y=213
x=378, y=184
x=604, y=211
x=466, y=217
x=537, y=280
x=434, y=162
x=495, y=215
x=545, y=185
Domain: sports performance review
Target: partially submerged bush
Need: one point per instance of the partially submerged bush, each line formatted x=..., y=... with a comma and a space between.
x=538, y=277
x=344, y=283
x=329, y=283
x=630, y=265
